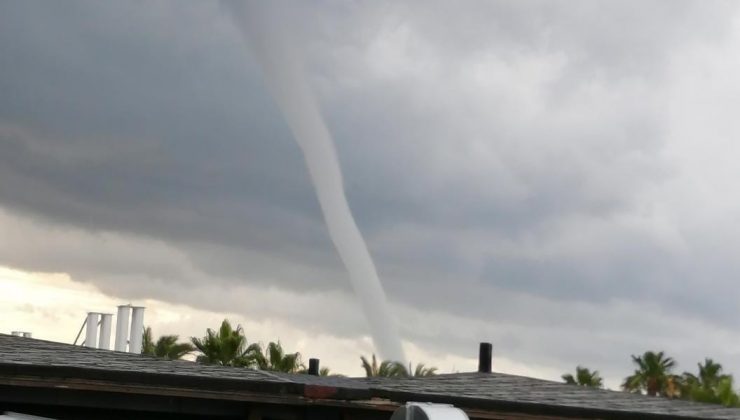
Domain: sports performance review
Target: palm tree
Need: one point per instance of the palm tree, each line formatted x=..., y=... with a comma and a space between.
x=166, y=346
x=653, y=374
x=386, y=369
x=274, y=358
x=421, y=370
x=584, y=377
x=147, y=342
x=726, y=393
x=371, y=369
x=710, y=373
x=227, y=347
x=722, y=393
x=709, y=376
x=711, y=385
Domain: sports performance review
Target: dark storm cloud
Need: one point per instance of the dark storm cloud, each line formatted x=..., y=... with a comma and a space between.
x=148, y=122
x=493, y=149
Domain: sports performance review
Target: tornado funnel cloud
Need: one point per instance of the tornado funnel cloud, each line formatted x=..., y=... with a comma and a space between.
x=285, y=78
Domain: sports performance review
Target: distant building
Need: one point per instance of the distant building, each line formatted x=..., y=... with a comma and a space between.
x=67, y=382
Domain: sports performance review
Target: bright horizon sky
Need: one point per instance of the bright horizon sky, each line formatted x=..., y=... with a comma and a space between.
x=53, y=307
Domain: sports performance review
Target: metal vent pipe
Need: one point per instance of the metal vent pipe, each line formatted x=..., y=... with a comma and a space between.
x=91, y=329
x=313, y=367
x=485, y=357
x=105, y=328
x=137, y=329
x=124, y=312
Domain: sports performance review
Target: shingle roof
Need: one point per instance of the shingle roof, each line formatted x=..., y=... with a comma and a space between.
x=472, y=390
x=23, y=351
x=491, y=387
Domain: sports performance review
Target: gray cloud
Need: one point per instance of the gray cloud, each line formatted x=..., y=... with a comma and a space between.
x=506, y=160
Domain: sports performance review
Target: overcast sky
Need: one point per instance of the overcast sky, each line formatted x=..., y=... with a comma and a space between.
x=556, y=177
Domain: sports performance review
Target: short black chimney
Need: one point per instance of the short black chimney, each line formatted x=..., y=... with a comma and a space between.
x=313, y=367
x=485, y=356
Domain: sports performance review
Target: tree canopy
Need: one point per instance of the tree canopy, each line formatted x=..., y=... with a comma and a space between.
x=276, y=359
x=584, y=377
x=226, y=347
x=394, y=369
x=386, y=368
x=166, y=347
x=653, y=374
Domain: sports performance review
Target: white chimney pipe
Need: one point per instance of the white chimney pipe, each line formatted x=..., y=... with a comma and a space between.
x=137, y=329
x=16, y=333
x=27, y=335
x=91, y=329
x=124, y=311
x=105, y=324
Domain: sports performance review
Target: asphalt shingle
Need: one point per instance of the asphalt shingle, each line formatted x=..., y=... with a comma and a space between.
x=473, y=390
x=520, y=389
x=26, y=351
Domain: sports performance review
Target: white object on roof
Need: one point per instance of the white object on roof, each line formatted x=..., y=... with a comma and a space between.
x=124, y=312
x=17, y=416
x=137, y=329
x=428, y=411
x=105, y=327
x=91, y=329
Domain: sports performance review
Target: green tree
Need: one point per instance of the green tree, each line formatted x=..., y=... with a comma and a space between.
x=392, y=369
x=710, y=374
x=166, y=346
x=584, y=377
x=421, y=370
x=276, y=359
x=226, y=347
x=726, y=394
x=710, y=385
x=653, y=374
x=147, y=342
x=386, y=368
